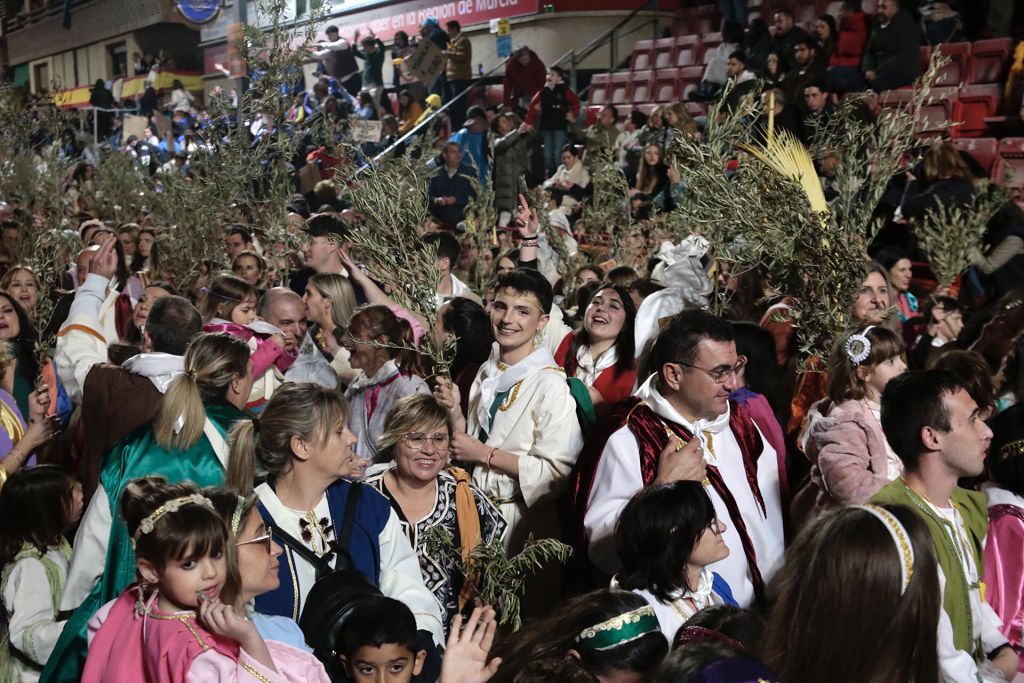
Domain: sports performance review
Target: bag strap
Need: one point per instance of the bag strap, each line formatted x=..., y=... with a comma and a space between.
x=354, y=493
x=321, y=564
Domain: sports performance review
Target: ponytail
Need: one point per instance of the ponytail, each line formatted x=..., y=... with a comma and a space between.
x=407, y=358
x=241, y=474
x=212, y=361
x=379, y=321
x=181, y=417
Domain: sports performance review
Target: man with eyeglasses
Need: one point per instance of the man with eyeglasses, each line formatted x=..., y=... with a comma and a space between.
x=681, y=425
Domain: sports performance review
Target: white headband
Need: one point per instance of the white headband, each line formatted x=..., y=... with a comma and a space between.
x=904, y=548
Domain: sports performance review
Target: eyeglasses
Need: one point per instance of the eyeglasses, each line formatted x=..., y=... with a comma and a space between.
x=417, y=440
x=716, y=527
x=720, y=374
x=266, y=539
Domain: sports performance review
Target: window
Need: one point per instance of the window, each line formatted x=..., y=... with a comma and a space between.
x=117, y=59
x=42, y=77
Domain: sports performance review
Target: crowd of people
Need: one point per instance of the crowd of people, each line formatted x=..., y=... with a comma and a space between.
x=256, y=471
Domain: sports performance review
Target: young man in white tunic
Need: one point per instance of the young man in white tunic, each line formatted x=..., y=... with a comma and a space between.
x=695, y=368
x=521, y=434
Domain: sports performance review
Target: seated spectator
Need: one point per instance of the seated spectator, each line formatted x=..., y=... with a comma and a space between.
x=716, y=71
x=742, y=80
x=818, y=110
x=891, y=57
x=1003, y=259
x=944, y=322
x=941, y=20
x=805, y=70
x=677, y=119
x=852, y=37
x=649, y=192
x=409, y=111
x=569, y=183
x=655, y=131
x=825, y=30
x=602, y=135
x=946, y=178
x=450, y=189
x=787, y=35
x=630, y=135
x=757, y=44
x=366, y=110
x=773, y=73
x=896, y=261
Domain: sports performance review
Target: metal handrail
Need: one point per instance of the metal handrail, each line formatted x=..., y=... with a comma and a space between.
x=427, y=121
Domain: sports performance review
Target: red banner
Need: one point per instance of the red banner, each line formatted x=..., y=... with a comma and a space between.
x=387, y=20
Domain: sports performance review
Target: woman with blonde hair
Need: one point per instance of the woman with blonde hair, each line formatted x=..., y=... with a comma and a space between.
x=186, y=442
x=428, y=493
x=21, y=283
x=303, y=446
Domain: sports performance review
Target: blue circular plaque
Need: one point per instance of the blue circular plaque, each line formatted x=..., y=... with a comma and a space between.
x=199, y=11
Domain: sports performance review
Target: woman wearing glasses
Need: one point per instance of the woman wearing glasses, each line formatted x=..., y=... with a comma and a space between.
x=427, y=494
x=667, y=536
x=256, y=558
x=302, y=445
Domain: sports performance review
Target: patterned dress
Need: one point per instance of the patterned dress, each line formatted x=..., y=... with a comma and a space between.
x=440, y=574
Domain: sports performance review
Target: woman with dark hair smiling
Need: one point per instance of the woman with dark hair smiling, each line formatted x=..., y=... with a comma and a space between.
x=601, y=352
x=666, y=537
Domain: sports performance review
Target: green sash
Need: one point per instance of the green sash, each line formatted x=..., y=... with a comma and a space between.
x=956, y=598
x=136, y=456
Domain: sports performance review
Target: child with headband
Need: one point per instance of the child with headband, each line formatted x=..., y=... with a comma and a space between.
x=844, y=440
x=178, y=623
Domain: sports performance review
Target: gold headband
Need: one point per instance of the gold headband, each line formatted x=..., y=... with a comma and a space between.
x=904, y=548
x=149, y=523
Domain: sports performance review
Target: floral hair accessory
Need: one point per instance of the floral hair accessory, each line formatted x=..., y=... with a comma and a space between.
x=904, y=548
x=858, y=346
x=236, y=517
x=619, y=630
x=149, y=523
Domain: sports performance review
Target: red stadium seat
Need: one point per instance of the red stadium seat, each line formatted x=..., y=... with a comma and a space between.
x=661, y=56
x=805, y=14
x=618, y=87
x=708, y=44
x=989, y=60
x=641, y=86
x=665, y=84
x=590, y=115
x=598, y=92
x=984, y=150
x=685, y=52
x=955, y=70
x=696, y=109
x=643, y=55
x=1009, y=167
x=940, y=109
x=689, y=80
x=973, y=106
x=926, y=54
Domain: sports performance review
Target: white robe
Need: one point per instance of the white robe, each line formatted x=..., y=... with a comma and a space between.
x=618, y=478
x=84, y=337
x=540, y=427
x=400, y=576
x=28, y=603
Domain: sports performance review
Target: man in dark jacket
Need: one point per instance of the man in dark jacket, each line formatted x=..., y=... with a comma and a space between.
x=787, y=36
x=550, y=111
x=805, y=71
x=892, y=56
x=450, y=190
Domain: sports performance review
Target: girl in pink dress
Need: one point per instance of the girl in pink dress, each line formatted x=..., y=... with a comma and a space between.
x=178, y=625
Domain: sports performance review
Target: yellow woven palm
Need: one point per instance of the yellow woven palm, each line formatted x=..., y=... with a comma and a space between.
x=788, y=157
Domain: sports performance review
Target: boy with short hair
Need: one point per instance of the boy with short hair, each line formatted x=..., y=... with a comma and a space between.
x=380, y=636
